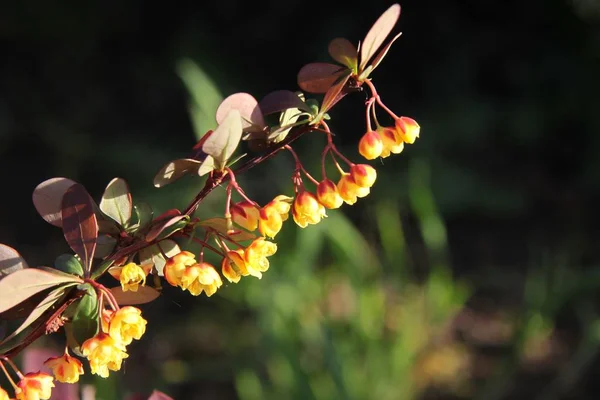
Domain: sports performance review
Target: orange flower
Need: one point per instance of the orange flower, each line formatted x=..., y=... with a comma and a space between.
x=370, y=145
x=127, y=324
x=307, y=209
x=201, y=277
x=105, y=318
x=176, y=265
x=245, y=214
x=363, y=175
x=35, y=386
x=233, y=265
x=66, y=369
x=350, y=190
x=256, y=255
x=408, y=129
x=104, y=353
x=328, y=195
x=392, y=142
x=3, y=394
x=272, y=215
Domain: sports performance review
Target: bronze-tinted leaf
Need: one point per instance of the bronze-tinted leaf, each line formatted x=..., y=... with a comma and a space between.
x=105, y=244
x=10, y=260
x=224, y=140
x=377, y=60
x=219, y=224
x=247, y=106
x=174, y=170
x=154, y=255
x=47, y=199
x=318, y=77
x=334, y=94
x=116, y=202
x=163, y=225
x=156, y=395
x=281, y=100
x=378, y=33
x=25, y=283
x=80, y=226
x=144, y=294
x=344, y=52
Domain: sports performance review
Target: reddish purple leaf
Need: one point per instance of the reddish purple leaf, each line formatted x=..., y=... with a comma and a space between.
x=162, y=222
x=80, y=226
x=174, y=170
x=247, y=105
x=318, y=77
x=47, y=199
x=156, y=395
x=10, y=260
x=378, y=33
x=281, y=100
x=383, y=52
x=334, y=94
x=344, y=52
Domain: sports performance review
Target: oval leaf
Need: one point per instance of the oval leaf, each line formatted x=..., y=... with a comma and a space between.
x=105, y=244
x=334, y=94
x=143, y=213
x=145, y=294
x=161, y=227
x=377, y=60
x=318, y=77
x=207, y=166
x=23, y=284
x=153, y=255
x=174, y=170
x=247, y=106
x=344, y=52
x=116, y=202
x=281, y=100
x=85, y=317
x=378, y=33
x=10, y=261
x=69, y=263
x=225, y=139
x=47, y=199
x=80, y=226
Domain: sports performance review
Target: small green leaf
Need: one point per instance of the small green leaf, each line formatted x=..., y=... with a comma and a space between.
x=86, y=318
x=69, y=263
x=225, y=139
x=116, y=202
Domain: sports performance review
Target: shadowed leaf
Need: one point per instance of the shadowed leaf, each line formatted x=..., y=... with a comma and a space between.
x=174, y=170
x=69, y=263
x=334, y=94
x=23, y=284
x=377, y=60
x=378, y=33
x=153, y=255
x=156, y=395
x=47, y=199
x=145, y=294
x=163, y=222
x=220, y=225
x=144, y=214
x=80, y=226
x=10, y=260
x=344, y=52
x=105, y=244
x=85, y=317
x=281, y=100
x=116, y=202
x=225, y=139
x=247, y=106
x=318, y=77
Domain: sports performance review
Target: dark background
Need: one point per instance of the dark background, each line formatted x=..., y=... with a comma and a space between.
x=506, y=168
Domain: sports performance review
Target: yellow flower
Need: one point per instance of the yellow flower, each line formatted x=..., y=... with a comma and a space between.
x=66, y=369
x=3, y=394
x=104, y=353
x=408, y=129
x=272, y=215
x=176, y=265
x=256, y=256
x=35, y=386
x=245, y=214
x=201, y=277
x=392, y=142
x=307, y=209
x=328, y=195
x=127, y=324
x=363, y=175
x=349, y=190
x=370, y=145
x=132, y=275
x=233, y=266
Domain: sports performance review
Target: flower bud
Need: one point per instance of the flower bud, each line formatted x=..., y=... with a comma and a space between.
x=392, y=142
x=328, y=195
x=408, y=129
x=245, y=214
x=363, y=175
x=370, y=145
x=307, y=209
x=66, y=369
x=272, y=215
x=349, y=190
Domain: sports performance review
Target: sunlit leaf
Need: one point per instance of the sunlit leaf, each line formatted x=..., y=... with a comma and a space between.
x=207, y=166
x=144, y=294
x=85, y=317
x=225, y=139
x=116, y=202
x=174, y=170
x=156, y=395
x=153, y=255
x=344, y=52
x=220, y=225
x=248, y=108
x=80, y=226
x=23, y=284
x=47, y=199
x=69, y=263
x=334, y=94
x=377, y=60
x=318, y=77
x=378, y=33
x=281, y=100
x=10, y=260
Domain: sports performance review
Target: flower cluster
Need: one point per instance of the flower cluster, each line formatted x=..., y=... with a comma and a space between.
x=389, y=140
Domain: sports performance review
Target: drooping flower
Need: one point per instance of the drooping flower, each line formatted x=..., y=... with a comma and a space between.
x=3, y=394
x=245, y=214
x=363, y=175
x=392, y=142
x=349, y=190
x=272, y=215
x=104, y=353
x=328, y=195
x=256, y=255
x=201, y=278
x=408, y=129
x=131, y=276
x=105, y=317
x=176, y=265
x=127, y=324
x=35, y=386
x=370, y=145
x=307, y=209
x=66, y=368
x=233, y=265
